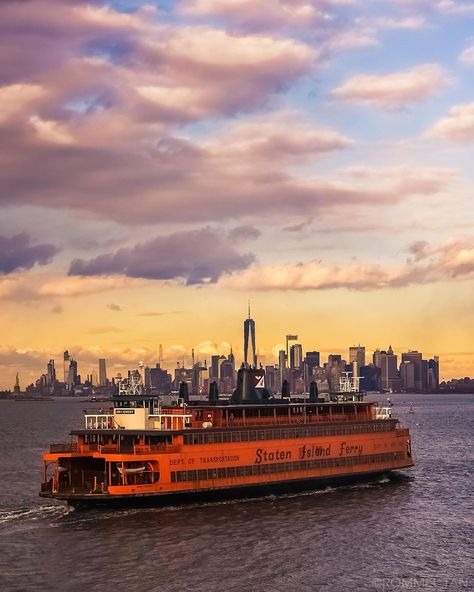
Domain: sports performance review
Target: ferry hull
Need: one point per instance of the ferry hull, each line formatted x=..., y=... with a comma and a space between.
x=222, y=493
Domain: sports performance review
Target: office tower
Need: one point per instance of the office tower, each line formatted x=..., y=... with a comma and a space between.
x=357, y=354
x=160, y=380
x=387, y=362
x=415, y=358
x=407, y=376
x=377, y=358
x=333, y=370
x=65, y=369
x=216, y=361
x=282, y=365
x=102, y=372
x=94, y=378
x=249, y=334
x=72, y=377
x=288, y=339
x=433, y=374
x=312, y=359
x=296, y=355
x=334, y=360
x=370, y=378
x=51, y=373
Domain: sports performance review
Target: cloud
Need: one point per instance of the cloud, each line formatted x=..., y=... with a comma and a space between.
x=262, y=15
x=115, y=307
x=243, y=233
x=467, y=56
x=413, y=22
x=453, y=259
x=51, y=131
x=195, y=257
x=418, y=249
x=15, y=97
x=17, y=253
x=451, y=7
x=457, y=126
x=66, y=287
x=389, y=91
x=138, y=79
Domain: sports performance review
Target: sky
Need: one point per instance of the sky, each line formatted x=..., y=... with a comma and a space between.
x=164, y=162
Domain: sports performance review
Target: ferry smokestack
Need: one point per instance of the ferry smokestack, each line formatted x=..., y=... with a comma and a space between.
x=251, y=387
x=213, y=392
x=184, y=392
x=285, y=390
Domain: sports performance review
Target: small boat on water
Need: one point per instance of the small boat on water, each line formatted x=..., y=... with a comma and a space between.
x=411, y=408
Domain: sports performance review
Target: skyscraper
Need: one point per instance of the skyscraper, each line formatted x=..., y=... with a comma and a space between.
x=249, y=333
x=387, y=362
x=415, y=358
x=102, y=372
x=51, y=373
x=282, y=365
x=65, y=369
x=296, y=355
x=72, y=377
x=357, y=354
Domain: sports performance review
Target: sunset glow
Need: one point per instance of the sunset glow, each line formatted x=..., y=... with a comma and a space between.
x=164, y=162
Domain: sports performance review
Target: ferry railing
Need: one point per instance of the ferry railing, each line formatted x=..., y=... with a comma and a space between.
x=293, y=419
x=147, y=448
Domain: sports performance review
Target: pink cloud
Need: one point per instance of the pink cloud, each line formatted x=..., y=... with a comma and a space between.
x=389, y=91
x=263, y=15
x=454, y=259
x=457, y=126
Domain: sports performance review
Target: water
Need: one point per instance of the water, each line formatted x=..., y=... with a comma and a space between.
x=414, y=532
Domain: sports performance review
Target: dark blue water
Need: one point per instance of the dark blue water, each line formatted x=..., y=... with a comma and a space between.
x=415, y=532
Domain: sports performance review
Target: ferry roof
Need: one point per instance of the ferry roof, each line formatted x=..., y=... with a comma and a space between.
x=227, y=404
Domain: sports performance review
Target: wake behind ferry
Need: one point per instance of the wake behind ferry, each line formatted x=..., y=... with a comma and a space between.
x=144, y=451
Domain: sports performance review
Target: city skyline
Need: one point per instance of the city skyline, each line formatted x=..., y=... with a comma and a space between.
x=294, y=365
x=202, y=353
x=164, y=162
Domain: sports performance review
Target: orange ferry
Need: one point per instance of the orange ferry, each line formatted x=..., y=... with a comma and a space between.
x=141, y=450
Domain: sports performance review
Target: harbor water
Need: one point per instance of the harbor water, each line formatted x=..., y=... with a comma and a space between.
x=414, y=531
